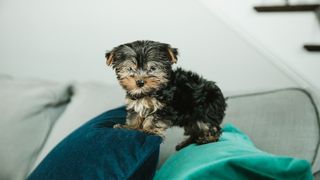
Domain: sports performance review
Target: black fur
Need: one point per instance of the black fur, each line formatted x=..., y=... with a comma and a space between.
x=189, y=100
x=189, y=97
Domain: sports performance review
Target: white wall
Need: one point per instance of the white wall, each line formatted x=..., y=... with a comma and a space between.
x=66, y=40
x=279, y=36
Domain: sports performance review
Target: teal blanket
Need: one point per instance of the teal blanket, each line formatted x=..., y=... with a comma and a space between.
x=233, y=157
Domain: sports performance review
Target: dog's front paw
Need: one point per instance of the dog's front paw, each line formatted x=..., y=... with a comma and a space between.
x=118, y=126
x=155, y=131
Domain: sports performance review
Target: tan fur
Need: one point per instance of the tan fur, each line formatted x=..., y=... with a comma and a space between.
x=147, y=125
x=152, y=83
x=135, y=123
x=110, y=59
x=128, y=83
x=152, y=127
x=173, y=59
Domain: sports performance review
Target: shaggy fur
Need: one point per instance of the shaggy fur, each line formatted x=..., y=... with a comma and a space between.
x=159, y=97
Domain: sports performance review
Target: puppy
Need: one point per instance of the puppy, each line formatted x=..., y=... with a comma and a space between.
x=159, y=97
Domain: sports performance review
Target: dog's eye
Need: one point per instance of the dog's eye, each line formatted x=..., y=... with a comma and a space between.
x=152, y=68
x=130, y=69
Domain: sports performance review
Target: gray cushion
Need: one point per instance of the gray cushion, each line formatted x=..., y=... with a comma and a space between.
x=28, y=110
x=283, y=122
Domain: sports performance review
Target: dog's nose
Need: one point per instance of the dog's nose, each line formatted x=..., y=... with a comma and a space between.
x=140, y=83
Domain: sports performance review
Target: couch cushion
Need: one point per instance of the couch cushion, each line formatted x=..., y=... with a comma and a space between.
x=28, y=109
x=98, y=151
x=89, y=99
x=234, y=156
x=282, y=122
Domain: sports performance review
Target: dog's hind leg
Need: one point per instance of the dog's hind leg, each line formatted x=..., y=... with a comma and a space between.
x=185, y=143
x=200, y=133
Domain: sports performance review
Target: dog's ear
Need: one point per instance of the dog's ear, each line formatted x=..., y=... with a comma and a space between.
x=109, y=58
x=173, y=53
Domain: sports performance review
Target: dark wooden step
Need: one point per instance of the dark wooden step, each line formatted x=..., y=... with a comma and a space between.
x=287, y=8
x=312, y=47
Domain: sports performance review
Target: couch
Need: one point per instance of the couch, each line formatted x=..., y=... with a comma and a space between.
x=37, y=114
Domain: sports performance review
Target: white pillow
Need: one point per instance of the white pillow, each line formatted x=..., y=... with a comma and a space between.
x=28, y=110
x=88, y=101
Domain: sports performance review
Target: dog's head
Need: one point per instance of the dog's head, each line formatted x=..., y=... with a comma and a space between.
x=142, y=66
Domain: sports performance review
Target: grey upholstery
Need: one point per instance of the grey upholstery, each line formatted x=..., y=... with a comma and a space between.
x=28, y=110
x=283, y=122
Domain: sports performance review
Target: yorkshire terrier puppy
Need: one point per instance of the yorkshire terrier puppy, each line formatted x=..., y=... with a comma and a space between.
x=159, y=97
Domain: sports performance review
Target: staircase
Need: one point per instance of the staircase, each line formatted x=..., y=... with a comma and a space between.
x=294, y=8
x=288, y=39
